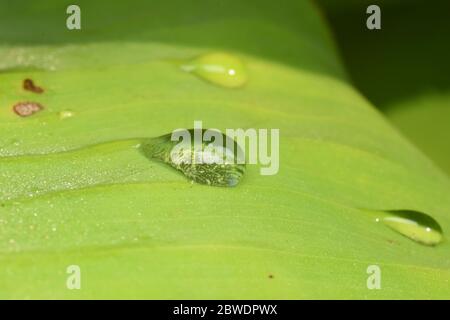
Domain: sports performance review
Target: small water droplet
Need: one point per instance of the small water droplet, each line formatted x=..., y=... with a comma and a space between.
x=211, y=163
x=15, y=142
x=219, y=68
x=66, y=114
x=415, y=225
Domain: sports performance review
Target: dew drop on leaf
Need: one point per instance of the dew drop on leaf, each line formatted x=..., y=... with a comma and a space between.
x=65, y=114
x=414, y=225
x=218, y=166
x=221, y=69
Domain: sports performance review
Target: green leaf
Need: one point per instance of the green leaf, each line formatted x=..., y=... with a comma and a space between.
x=76, y=191
x=424, y=120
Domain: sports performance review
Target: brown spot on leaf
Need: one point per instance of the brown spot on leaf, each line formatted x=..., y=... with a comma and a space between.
x=271, y=276
x=25, y=109
x=29, y=85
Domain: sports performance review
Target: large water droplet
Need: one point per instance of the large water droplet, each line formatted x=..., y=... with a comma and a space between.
x=213, y=163
x=415, y=225
x=219, y=68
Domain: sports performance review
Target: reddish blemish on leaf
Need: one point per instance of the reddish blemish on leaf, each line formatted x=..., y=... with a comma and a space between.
x=25, y=109
x=29, y=85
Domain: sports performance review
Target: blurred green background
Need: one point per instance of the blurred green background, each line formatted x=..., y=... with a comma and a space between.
x=404, y=68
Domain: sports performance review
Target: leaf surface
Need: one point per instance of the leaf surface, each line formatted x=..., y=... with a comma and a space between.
x=76, y=191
